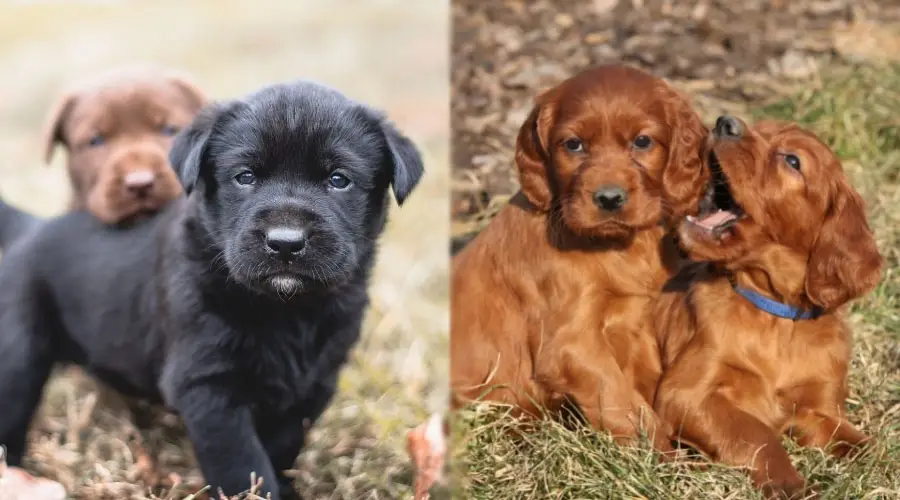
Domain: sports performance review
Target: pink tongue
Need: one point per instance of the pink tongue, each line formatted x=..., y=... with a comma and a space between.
x=717, y=219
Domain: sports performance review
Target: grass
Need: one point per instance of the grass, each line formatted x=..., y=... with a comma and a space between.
x=389, y=54
x=856, y=110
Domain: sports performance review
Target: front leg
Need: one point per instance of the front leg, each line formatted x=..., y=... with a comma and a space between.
x=199, y=383
x=284, y=436
x=225, y=441
x=283, y=439
x=818, y=429
x=582, y=366
x=710, y=421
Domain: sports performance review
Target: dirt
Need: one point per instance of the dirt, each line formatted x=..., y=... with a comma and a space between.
x=726, y=54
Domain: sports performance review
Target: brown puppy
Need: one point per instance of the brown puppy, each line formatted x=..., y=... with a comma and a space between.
x=553, y=301
x=117, y=129
x=754, y=346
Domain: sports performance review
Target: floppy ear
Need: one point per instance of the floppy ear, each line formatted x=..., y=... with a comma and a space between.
x=52, y=132
x=532, y=153
x=189, y=88
x=189, y=147
x=844, y=262
x=682, y=177
x=407, y=166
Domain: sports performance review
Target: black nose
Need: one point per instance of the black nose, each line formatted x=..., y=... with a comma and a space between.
x=729, y=126
x=610, y=197
x=286, y=242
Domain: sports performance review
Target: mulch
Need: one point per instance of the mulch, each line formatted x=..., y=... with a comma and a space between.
x=727, y=54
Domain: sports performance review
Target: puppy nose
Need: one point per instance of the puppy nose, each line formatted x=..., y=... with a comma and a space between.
x=286, y=242
x=139, y=182
x=728, y=126
x=610, y=198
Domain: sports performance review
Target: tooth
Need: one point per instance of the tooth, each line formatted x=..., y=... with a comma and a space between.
x=691, y=218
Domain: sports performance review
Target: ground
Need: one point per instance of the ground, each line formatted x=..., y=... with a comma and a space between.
x=390, y=54
x=830, y=64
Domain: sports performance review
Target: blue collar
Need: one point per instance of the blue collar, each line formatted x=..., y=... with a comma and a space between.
x=776, y=308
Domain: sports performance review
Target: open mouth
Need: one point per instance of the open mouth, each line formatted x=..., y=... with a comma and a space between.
x=718, y=209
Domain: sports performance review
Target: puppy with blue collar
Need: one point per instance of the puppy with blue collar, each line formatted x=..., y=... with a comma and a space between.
x=752, y=338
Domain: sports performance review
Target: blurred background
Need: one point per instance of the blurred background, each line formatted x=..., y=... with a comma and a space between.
x=390, y=54
x=831, y=65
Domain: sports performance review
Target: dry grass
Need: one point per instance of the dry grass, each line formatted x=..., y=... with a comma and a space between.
x=857, y=110
x=391, y=54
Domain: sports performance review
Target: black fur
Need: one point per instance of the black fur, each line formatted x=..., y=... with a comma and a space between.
x=190, y=308
x=14, y=224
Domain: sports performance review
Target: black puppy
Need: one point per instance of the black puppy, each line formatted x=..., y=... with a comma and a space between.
x=238, y=304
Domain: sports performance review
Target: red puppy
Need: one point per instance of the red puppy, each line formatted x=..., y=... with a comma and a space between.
x=553, y=301
x=754, y=345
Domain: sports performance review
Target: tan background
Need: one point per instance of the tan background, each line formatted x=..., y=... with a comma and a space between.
x=391, y=54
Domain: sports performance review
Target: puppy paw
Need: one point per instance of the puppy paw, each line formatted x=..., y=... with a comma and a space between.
x=851, y=451
x=788, y=487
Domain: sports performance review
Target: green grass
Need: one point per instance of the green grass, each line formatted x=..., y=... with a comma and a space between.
x=857, y=111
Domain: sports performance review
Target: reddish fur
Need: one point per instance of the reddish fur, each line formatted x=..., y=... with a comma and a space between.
x=129, y=106
x=554, y=299
x=736, y=378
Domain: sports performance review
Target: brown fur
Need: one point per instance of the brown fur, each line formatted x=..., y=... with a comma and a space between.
x=553, y=300
x=134, y=110
x=735, y=377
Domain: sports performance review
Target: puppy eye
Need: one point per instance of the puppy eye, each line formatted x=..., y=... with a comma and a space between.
x=574, y=145
x=97, y=140
x=642, y=142
x=793, y=161
x=339, y=181
x=168, y=130
x=245, y=178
